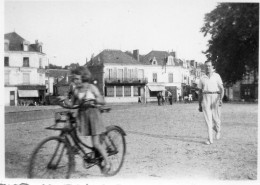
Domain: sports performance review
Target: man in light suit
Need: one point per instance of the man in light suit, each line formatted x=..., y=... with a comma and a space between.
x=211, y=93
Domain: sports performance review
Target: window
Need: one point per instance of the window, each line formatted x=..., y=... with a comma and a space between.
x=127, y=90
x=136, y=91
x=40, y=62
x=110, y=73
x=154, y=77
x=26, y=78
x=6, y=61
x=110, y=91
x=40, y=78
x=26, y=62
x=120, y=74
x=130, y=73
x=6, y=78
x=140, y=74
x=119, y=91
x=170, y=76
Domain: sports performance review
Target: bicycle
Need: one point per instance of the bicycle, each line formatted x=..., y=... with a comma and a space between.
x=56, y=154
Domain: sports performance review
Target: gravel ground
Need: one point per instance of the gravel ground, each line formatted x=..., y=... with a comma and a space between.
x=163, y=142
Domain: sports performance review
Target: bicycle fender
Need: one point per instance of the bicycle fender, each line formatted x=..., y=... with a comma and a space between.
x=118, y=128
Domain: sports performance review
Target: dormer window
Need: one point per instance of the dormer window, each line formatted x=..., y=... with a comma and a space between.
x=6, y=45
x=39, y=46
x=170, y=61
x=26, y=46
x=153, y=61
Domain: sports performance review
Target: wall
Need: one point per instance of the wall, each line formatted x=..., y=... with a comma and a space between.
x=16, y=76
x=16, y=68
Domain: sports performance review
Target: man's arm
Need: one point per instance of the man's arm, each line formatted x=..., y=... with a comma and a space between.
x=221, y=88
x=200, y=100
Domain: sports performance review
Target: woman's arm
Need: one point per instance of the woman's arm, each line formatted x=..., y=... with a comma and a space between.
x=99, y=98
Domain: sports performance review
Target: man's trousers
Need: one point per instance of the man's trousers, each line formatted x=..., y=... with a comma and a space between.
x=212, y=112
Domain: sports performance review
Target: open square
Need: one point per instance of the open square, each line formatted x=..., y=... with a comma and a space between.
x=162, y=142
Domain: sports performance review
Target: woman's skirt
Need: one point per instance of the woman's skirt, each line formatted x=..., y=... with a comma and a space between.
x=90, y=122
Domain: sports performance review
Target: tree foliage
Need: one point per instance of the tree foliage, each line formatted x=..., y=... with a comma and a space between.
x=72, y=66
x=52, y=66
x=234, y=39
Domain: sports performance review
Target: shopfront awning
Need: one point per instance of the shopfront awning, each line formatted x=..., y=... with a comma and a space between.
x=156, y=87
x=28, y=93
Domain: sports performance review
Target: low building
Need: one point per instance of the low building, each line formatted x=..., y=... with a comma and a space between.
x=56, y=78
x=24, y=67
x=128, y=77
x=244, y=90
x=120, y=77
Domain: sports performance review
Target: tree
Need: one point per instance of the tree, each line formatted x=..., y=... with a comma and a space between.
x=72, y=66
x=233, y=46
x=52, y=66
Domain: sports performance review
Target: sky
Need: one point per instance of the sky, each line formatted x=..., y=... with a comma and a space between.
x=72, y=31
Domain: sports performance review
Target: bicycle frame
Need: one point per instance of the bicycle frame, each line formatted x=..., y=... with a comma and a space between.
x=70, y=136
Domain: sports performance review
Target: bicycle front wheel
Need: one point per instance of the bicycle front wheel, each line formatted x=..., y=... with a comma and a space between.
x=116, y=149
x=51, y=159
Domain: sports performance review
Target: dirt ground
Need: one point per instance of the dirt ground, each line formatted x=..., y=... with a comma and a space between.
x=163, y=142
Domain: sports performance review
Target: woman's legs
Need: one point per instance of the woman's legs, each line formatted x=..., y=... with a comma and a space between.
x=100, y=148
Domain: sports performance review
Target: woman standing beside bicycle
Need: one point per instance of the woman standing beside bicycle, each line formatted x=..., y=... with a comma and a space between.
x=90, y=122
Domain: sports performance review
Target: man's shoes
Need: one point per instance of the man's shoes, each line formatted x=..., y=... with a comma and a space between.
x=208, y=142
x=218, y=135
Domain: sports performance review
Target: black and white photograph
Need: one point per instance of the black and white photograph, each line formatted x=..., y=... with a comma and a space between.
x=129, y=92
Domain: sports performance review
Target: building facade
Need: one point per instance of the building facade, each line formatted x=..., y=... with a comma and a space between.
x=24, y=67
x=127, y=77
x=244, y=90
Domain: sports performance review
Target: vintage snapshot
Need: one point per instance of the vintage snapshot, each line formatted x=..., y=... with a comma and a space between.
x=110, y=91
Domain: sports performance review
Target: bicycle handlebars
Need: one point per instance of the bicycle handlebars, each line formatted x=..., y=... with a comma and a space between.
x=90, y=102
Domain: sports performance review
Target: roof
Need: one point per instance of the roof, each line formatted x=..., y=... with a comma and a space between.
x=160, y=57
x=113, y=57
x=15, y=42
x=56, y=73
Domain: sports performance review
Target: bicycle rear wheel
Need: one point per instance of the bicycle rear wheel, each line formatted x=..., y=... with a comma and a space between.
x=51, y=159
x=116, y=149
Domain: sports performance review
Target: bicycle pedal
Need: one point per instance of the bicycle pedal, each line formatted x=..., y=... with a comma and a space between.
x=111, y=151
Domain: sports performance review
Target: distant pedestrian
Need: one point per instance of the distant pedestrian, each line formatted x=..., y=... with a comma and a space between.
x=159, y=96
x=186, y=99
x=170, y=97
x=190, y=98
x=180, y=98
x=211, y=92
x=139, y=99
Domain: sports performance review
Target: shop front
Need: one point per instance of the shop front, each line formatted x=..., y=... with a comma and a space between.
x=31, y=95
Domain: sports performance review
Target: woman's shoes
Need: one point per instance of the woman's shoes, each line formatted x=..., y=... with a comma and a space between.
x=105, y=169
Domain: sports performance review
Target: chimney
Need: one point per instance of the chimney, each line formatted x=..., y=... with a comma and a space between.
x=36, y=41
x=173, y=53
x=136, y=54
